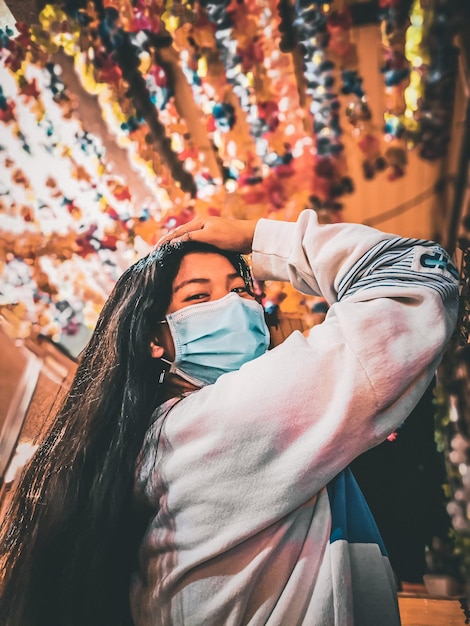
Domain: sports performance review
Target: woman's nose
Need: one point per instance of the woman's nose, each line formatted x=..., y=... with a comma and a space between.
x=219, y=291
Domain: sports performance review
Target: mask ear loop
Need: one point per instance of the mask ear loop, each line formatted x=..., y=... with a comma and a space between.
x=165, y=363
x=161, y=380
x=166, y=368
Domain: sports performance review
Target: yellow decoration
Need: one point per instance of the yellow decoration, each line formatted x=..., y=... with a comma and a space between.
x=50, y=15
x=86, y=72
x=418, y=55
x=145, y=62
x=202, y=67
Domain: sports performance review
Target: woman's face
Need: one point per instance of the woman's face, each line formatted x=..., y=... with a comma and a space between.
x=202, y=277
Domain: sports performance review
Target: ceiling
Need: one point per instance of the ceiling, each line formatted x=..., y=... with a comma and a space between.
x=413, y=205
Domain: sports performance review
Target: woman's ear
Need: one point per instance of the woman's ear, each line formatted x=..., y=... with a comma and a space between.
x=156, y=350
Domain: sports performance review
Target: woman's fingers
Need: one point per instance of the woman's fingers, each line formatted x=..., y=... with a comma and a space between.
x=177, y=233
x=227, y=234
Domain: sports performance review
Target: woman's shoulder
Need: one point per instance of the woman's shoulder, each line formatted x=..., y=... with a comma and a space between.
x=147, y=459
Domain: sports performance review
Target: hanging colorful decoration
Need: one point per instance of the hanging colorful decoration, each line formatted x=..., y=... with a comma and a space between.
x=202, y=65
x=438, y=99
x=419, y=72
x=65, y=234
x=342, y=49
x=125, y=52
x=330, y=179
x=261, y=77
x=396, y=70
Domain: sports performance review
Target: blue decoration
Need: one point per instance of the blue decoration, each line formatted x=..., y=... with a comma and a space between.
x=224, y=115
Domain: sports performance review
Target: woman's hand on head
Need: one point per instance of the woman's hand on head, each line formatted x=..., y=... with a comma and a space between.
x=224, y=233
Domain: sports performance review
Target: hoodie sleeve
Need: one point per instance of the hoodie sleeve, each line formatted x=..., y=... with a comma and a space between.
x=406, y=291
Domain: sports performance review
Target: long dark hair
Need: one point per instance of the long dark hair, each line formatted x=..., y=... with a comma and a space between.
x=69, y=543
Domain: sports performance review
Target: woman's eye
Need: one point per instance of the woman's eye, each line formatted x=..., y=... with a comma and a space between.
x=196, y=296
x=244, y=292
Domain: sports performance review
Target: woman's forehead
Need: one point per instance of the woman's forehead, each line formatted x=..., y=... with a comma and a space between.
x=208, y=265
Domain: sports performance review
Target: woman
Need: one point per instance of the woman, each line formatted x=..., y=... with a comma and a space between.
x=242, y=509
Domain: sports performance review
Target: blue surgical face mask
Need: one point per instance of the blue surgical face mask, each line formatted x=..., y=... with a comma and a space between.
x=212, y=338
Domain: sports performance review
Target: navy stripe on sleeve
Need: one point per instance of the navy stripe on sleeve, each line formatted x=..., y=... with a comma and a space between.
x=404, y=263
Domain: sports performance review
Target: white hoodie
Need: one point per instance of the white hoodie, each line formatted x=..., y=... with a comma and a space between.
x=257, y=519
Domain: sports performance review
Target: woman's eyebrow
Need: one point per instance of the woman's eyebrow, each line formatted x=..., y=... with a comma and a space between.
x=201, y=281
